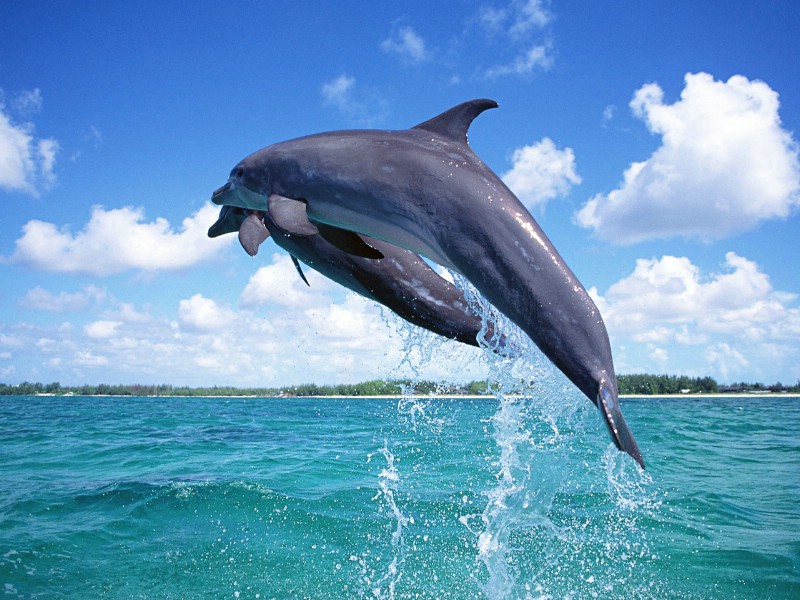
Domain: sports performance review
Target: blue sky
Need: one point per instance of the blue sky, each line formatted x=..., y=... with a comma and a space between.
x=655, y=142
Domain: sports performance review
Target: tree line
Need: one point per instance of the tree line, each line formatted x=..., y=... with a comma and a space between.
x=633, y=385
x=375, y=387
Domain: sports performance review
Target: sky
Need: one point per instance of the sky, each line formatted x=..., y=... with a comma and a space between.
x=656, y=143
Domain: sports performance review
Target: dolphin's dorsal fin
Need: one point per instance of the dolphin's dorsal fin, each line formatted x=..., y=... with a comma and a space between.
x=454, y=123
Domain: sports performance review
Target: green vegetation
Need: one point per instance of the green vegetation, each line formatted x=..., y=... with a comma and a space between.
x=633, y=385
x=366, y=388
x=648, y=385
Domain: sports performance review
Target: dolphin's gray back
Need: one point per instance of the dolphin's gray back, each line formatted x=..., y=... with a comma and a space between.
x=418, y=190
x=425, y=190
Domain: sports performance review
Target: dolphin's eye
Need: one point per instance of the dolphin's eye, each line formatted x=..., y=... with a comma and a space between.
x=240, y=172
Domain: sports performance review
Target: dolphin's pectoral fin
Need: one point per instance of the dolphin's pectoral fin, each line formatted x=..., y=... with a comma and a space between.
x=454, y=123
x=290, y=216
x=252, y=232
x=299, y=269
x=621, y=434
x=348, y=241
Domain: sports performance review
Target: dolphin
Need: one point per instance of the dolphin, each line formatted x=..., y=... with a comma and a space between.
x=394, y=277
x=426, y=190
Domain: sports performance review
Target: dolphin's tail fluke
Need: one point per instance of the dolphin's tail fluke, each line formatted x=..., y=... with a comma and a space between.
x=608, y=403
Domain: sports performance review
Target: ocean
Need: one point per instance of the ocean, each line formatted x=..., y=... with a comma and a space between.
x=502, y=497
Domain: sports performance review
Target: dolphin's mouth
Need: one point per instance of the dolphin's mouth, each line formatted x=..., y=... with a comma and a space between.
x=248, y=223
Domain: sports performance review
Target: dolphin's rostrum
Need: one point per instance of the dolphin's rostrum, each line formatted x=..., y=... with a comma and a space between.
x=425, y=190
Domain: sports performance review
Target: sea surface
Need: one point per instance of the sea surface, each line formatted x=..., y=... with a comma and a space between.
x=502, y=497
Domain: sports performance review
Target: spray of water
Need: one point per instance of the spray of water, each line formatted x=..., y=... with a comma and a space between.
x=385, y=585
x=542, y=535
x=560, y=519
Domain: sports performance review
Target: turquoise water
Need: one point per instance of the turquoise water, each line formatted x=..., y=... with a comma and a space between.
x=368, y=498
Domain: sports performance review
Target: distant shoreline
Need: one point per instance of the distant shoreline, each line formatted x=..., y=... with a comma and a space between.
x=422, y=396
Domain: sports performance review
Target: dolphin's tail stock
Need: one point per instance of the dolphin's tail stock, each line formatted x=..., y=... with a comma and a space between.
x=608, y=403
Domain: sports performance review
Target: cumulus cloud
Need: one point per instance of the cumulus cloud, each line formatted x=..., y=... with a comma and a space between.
x=26, y=162
x=38, y=298
x=27, y=102
x=538, y=57
x=338, y=92
x=322, y=332
x=102, y=329
x=118, y=240
x=353, y=324
x=541, y=172
x=364, y=108
x=518, y=18
x=726, y=359
x=669, y=301
x=279, y=284
x=724, y=165
x=87, y=359
x=199, y=313
x=517, y=24
x=407, y=44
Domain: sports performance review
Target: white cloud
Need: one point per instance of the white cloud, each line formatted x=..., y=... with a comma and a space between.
x=47, y=150
x=11, y=341
x=354, y=324
x=87, y=359
x=517, y=25
x=536, y=57
x=209, y=344
x=26, y=163
x=102, y=329
x=339, y=92
x=278, y=284
x=38, y=298
x=322, y=333
x=362, y=107
x=658, y=355
x=203, y=314
x=724, y=165
x=608, y=114
x=128, y=313
x=95, y=136
x=726, y=359
x=118, y=240
x=518, y=18
x=407, y=44
x=529, y=14
x=734, y=315
x=541, y=172
x=28, y=102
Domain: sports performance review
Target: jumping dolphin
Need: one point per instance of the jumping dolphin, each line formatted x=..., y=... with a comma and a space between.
x=424, y=189
x=396, y=278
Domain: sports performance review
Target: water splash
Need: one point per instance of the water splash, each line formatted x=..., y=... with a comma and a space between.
x=388, y=482
x=563, y=508
x=555, y=525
